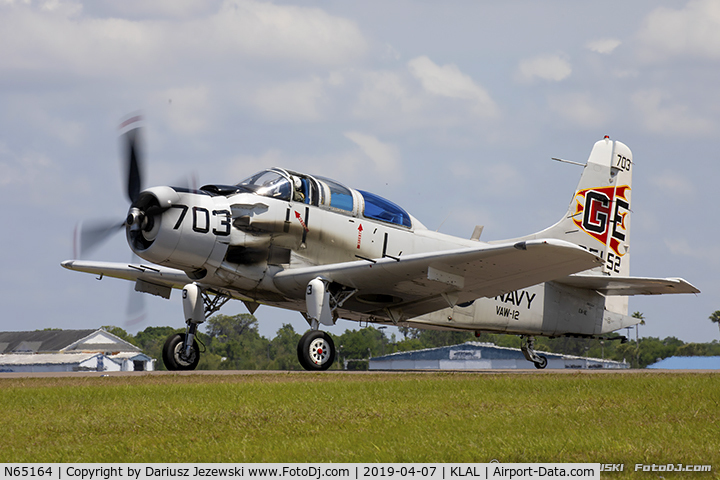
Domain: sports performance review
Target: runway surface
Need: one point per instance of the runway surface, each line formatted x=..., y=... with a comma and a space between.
x=337, y=372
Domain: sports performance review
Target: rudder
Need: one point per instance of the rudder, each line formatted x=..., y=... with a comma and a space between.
x=598, y=217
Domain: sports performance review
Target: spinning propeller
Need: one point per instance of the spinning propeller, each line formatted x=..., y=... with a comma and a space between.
x=91, y=234
x=140, y=219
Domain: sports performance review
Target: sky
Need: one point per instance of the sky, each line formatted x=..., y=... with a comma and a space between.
x=451, y=109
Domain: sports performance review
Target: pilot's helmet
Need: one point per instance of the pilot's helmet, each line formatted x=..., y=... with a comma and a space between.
x=297, y=182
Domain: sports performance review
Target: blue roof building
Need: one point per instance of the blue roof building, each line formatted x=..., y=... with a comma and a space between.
x=688, y=363
x=481, y=356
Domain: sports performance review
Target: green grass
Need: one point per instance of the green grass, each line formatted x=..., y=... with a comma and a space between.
x=608, y=418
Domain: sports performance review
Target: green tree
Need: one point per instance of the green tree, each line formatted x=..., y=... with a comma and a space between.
x=360, y=344
x=641, y=317
x=283, y=349
x=224, y=328
x=715, y=317
x=699, y=349
x=237, y=343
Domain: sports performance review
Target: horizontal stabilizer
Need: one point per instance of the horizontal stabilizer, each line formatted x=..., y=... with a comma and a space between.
x=616, y=285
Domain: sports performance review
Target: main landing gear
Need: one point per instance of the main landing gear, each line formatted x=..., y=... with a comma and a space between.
x=528, y=349
x=316, y=349
x=181, y=351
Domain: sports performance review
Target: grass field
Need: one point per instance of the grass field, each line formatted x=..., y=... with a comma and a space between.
x=304, y=417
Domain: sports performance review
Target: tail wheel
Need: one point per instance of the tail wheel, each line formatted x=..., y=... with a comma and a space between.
x=174, y=356
x=316, y=350
x=542, y=363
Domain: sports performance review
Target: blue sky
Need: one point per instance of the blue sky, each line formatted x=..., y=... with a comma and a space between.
x=450, y=109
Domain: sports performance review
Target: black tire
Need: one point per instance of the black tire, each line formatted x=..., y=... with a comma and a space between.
x=173, y=356
x=316, y=350
x=542, y=363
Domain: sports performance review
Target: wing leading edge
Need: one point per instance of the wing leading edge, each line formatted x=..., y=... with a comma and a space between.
x=163, y=276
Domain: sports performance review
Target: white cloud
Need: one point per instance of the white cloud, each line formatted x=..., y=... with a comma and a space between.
x=580, y=109
x=135, y=9
x=293, y=33
x=386, y=157
x=545, y=67
x=295, y=101
x=496, y=178
x=604, y=46
x=64, y=40
x=23, y=169
x=449, y=81
x=386, y=94
x=683, y=247
x=188, y=109
x=673, y=182
x=661, y=115
x=693, y=30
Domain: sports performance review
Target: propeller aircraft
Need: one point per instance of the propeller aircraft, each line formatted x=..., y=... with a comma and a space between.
x=313, y=245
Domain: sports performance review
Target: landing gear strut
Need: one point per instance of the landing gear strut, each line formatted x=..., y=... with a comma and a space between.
x=316, y=349
x=181, y=351
x=528, y=349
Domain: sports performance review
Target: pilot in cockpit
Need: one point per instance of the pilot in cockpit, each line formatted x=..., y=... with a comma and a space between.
x=298, y=194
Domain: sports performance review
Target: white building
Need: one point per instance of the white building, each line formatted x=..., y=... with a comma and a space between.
x=481, y=356
x=69, y=351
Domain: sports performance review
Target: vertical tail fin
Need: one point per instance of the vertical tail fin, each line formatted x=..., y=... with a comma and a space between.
x=598, y=217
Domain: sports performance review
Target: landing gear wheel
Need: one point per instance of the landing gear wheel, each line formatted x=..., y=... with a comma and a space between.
x=542, y=363
x=174, y=357
x=316, y=350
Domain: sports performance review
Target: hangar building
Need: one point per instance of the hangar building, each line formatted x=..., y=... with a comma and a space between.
x=482, y=356
x=69, y=351
x=688, y=363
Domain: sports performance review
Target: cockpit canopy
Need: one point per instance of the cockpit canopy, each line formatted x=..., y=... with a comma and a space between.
x=268, y=183
x=325, y=193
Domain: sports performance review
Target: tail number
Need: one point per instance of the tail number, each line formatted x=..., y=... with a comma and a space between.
x=623, y=163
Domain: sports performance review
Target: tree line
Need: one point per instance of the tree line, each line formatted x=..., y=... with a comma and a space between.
x=234, y=343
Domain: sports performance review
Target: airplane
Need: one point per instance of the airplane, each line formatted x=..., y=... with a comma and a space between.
x=313, y=245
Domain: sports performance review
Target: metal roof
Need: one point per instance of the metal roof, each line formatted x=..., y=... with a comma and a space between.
x=488, y=351
x=688, y=363
x=476, y=350
x=46, y=358
x=49, y=341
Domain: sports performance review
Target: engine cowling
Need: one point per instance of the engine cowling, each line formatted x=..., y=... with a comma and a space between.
x=181, y=229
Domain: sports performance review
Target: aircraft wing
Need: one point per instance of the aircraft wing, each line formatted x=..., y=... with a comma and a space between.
x=157, y=275
x=416, y=284
x=614, y=285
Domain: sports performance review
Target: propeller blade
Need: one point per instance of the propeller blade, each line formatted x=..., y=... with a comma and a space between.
x=136, y=310
x=134, y=162
x=90, y=235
